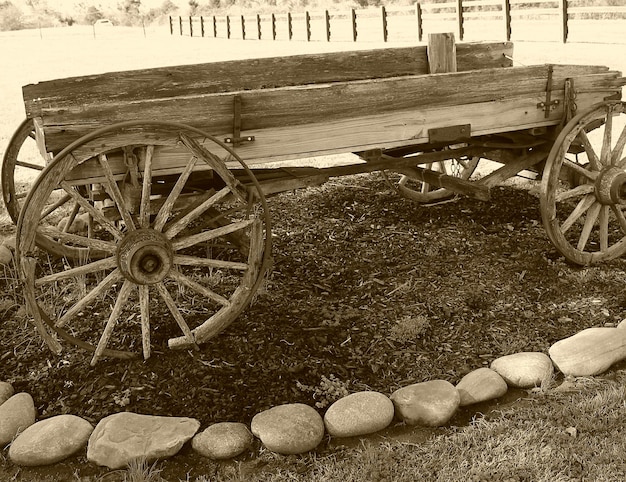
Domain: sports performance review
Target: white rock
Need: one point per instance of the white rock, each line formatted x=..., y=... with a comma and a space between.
x=589, y=352
x=79, y=225
x=481, y=385
x=6, y=391
x=50, y=441
x=223, y=440
x=6, y=256
x=524, y=370
x=428, y=403
x=122, y=437
x=359, y=413
x=289, y=429
x=16, y=414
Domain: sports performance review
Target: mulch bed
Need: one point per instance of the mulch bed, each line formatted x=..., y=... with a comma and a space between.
x=368, y=291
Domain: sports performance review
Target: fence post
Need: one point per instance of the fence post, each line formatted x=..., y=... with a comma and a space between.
x=506, y=14
x=420, y=26
x=327, y=24
x=307, y=19
x=383, y=13
x=171, y=26
x=353, y=21
x=214, y=27
x=564, y=20
x=202, y=25
x=459, y=18
x=289, y=26
x=258, y=26
x=180, y=25
x=441, y=53
x=190, y=26
x=273, y=27
x=243, y=28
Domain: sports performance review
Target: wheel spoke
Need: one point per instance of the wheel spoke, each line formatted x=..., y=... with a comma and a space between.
x=144, y=207
x=604, y=228
x=209, y=263
x=171, y=305
x=180, y=224
x=97, y=215
x=594, y=160
x=166, y=209
x=114, y=191
x=72, y=217
x=211, y=234
x=590, y=220
x=55, y=206
x=203, y=290
x=93, y=267
x=216, y=164
x=122, y=298
x=583, y=205
x=586, y=173
x=112, y=278
x=578, y=191
x=619, y=214
x=144, y=308
x=605, y=155
x=619, y=149
x=77, y=239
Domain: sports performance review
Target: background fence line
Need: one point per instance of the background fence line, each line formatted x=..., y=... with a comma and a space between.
x=481, y=19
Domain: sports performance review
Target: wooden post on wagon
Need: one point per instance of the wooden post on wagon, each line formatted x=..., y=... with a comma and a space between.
x=441, y=52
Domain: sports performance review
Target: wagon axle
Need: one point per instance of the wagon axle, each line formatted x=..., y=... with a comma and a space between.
x=145, y=256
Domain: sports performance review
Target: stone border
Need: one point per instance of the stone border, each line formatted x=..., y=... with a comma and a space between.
x=294, y=428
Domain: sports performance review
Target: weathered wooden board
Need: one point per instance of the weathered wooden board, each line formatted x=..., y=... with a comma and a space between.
x=338, y=103
x=251, y=74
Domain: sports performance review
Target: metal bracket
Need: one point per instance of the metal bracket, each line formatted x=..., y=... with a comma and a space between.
x=236, y=139
x=548, y=105
x=450, y=133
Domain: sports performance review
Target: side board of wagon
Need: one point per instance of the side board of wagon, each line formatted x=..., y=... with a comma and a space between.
x=155, y=181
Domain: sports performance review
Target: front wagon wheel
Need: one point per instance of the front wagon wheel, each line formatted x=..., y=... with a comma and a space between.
x=172, y=245
x=583, y=191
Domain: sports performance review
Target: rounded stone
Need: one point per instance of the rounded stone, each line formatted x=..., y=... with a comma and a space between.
x=589, y=352
x=16, y=414
x=223, y=440
x=125, y=436
x=481, y=385
x=6, y=391
x=358, y=414
x=524, y=370
x=430, y=403
x=289, y=429
x=50, y=441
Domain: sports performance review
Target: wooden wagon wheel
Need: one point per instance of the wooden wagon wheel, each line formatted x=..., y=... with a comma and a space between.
x=584, y=216
x=20, y=165
x=462, y=167
x=181, y=261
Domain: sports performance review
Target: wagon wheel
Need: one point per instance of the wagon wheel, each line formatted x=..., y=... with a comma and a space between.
x=585, y=218
x=181, y=262
x=20, y=166
x=461, y=167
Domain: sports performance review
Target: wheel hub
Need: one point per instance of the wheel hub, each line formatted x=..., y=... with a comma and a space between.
x=610, y=186
x=145, y=256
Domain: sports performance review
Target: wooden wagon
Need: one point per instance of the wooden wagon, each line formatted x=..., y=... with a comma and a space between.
x=154, y=192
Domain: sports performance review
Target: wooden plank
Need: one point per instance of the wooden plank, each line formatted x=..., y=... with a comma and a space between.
x=291, y=106
x=441, y=53
x=355, y=134
x=201, y=79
